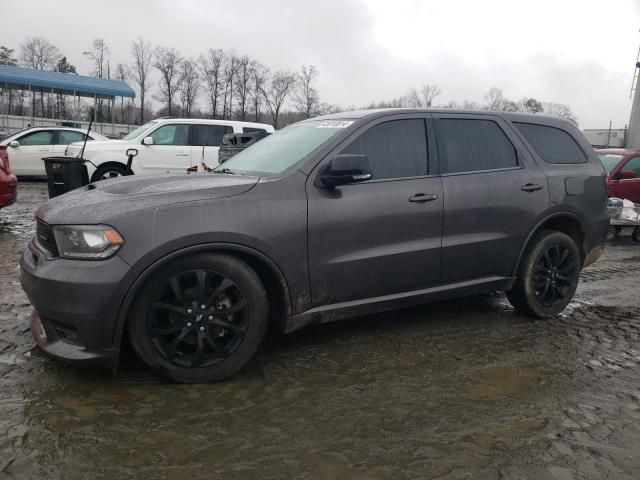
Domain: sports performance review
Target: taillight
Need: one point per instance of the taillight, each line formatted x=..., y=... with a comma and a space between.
x=4, y=159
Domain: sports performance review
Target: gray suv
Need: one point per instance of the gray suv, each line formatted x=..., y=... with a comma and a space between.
x=332, y=217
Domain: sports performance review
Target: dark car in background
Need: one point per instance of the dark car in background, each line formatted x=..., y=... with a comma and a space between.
x=8, y=181
x=622, y=167
x=328, y=218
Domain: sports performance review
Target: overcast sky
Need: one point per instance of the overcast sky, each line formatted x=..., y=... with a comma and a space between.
x=580, y=52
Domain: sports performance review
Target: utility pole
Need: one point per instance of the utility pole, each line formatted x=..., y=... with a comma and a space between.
x=634, y=121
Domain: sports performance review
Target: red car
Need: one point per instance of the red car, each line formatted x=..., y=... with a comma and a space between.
x=8, y=181
x=623, y=172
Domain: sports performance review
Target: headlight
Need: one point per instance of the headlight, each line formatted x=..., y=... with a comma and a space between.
x=87, y=242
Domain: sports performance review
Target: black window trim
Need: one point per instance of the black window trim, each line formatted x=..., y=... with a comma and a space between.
x=535, y=153
x=442, y=154
x=379, y=121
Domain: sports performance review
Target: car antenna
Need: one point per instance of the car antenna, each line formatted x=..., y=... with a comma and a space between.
x=86, y=137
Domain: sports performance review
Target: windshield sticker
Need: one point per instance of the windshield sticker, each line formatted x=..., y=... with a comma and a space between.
x=335, y=124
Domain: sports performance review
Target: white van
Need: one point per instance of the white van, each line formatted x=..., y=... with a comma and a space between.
x=167, y=145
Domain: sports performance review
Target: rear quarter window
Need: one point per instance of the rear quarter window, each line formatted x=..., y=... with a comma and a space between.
x=552, y=144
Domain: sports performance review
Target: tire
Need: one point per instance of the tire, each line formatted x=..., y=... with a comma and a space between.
x=105, y=172
x=635, y=236
x=548, y=275
x=168, y=325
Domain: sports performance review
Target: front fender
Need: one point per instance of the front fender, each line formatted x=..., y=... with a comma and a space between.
x=145, y=271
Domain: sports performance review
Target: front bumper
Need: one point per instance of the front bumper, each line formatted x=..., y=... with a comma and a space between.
x=76, y=305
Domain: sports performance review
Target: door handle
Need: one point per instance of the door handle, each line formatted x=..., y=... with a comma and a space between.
x=423, y=197
x=182, y=154
x=531, y=187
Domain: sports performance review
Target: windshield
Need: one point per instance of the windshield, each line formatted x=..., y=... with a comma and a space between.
x=609, y=161
x=283, y=149
x=138, y=131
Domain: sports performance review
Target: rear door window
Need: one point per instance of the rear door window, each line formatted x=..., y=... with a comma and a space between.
x=396, y=149
x=65, y=137
x=552, y=144
x=210, y=135
x=470, y=145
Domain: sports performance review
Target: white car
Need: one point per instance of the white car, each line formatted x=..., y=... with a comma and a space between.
x=28, y=147
x=167, y=145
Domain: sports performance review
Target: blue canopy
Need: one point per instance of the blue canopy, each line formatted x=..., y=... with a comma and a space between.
x=63, y=83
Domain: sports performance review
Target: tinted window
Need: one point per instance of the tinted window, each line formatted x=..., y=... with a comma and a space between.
x=171, y=135
x=473, y=145
x=395, y=149
x=37, y=138
x=253, y=129
x=211, y=135
x=552, y=144
x=633, y=164
x=67, y=137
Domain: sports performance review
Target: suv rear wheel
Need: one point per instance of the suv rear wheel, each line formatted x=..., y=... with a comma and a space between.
x=548, y=275
x=199, y=319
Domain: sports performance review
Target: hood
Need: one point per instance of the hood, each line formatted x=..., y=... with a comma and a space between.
x=103, y=201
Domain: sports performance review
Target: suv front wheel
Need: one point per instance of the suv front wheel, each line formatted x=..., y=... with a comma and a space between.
x=201, y=318
x=548, y=275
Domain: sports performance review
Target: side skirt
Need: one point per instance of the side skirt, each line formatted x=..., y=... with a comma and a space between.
x=368, y=306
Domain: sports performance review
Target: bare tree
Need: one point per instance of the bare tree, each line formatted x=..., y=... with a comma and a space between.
x=494, y=99
x=260, y=74
x=122, y=73
x=142, y=56
x=280, y=86
x=38, y=53
x=561, y=111
x=230, y=71
x=413, y=98
x=212, y=68
x=429, y=92
x=99, y=55
x=243, y=84
x=168, y=62
x=190, y=85
x=306, y=97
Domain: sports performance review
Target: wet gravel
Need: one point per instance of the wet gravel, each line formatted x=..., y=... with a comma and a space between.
x=461, y=389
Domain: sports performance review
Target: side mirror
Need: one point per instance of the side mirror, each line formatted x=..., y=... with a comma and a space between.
x=625, y=175
x=346, y=168
x=14, y=143
x=147, y=141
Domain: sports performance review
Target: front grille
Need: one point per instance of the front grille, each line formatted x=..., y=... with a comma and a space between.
x=44, y=235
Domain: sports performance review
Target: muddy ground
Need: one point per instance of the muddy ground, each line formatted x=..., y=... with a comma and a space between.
x=461, y=389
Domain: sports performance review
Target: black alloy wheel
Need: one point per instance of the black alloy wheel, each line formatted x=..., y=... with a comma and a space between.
x=554, y=275
x=197, y=318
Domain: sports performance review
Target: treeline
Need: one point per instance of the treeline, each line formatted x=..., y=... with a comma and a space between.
x=493, y=100
x=215, y=84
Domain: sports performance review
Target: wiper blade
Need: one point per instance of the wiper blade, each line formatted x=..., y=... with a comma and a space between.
x=225, y=170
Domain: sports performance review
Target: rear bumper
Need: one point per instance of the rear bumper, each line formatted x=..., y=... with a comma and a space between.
x=8, y=189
